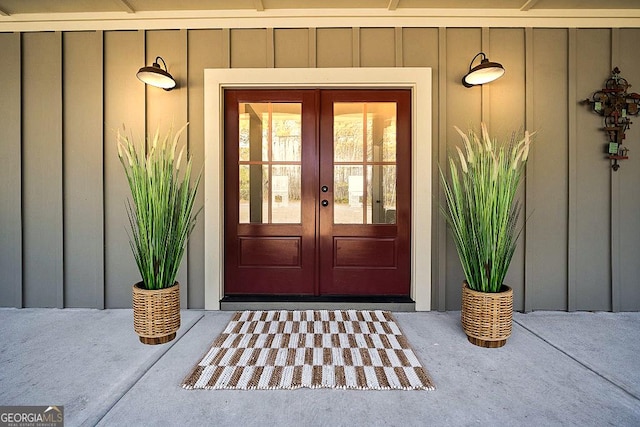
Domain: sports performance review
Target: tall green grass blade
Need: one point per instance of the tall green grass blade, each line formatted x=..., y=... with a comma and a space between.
x=481, y=209
x=160, y=210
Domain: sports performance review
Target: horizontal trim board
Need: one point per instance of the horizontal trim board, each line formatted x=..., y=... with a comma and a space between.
x=323, y=18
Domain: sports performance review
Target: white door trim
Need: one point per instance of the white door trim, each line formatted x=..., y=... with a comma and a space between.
x=417, y=79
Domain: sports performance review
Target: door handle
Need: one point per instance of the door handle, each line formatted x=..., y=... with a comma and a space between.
x=325, y=203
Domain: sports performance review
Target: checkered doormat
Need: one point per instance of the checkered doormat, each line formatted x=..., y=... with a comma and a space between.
x=316, y=349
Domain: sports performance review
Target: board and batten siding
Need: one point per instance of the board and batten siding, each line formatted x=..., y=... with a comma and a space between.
x=10, y=172
x=64, y=94
x=42, y=170
x=82, y=124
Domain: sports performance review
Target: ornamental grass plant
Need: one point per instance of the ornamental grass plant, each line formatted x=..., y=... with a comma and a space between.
x=482, y=210
x=161, y=204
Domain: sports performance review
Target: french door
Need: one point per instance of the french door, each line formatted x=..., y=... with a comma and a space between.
x=317, y=192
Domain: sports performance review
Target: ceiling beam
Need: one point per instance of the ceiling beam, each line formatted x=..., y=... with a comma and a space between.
x=124, y=4
x=393, y=4
x=528, y=5
x=258, y=5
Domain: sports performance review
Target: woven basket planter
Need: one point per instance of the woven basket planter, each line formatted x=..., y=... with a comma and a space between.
x=156, y=313
x=486, y=316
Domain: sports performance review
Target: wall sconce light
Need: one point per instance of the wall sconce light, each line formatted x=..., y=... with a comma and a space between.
x=485, y=72
x=156, y=76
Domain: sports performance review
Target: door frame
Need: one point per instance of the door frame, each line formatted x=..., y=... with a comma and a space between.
x=417, y=79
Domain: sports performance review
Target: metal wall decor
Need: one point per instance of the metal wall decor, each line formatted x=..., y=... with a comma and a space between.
x=616, y=106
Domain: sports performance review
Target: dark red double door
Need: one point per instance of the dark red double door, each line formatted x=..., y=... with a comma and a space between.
x=317, y=192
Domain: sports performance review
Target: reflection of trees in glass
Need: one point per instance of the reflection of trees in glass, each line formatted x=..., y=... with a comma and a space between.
x=244, y=137
x=285, y=136
x=347, y=138
x=286, y=146
x=244, y=183
x=389, y=142
x=348, y=133
x=389, y=186
x=348, y=146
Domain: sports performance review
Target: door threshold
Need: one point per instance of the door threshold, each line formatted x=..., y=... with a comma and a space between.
x=309, y=302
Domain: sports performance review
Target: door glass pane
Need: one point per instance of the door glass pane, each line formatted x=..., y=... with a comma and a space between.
x=348, y=195
x=364, y=137
x=389, y=194
x=270, y=146
x=348, y=132
x=286, y=141
x=245, y=178
x=381, y=185
x=285, y=195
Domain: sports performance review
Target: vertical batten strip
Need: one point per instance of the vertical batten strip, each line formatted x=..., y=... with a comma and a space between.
x=529, y=124
x=313, y=48
x=183, y=47
x=101, y=284
x=615, y=199
x=59, y=115
x=355, y=43
x=441, y=292
x=182, y=114
x=573, y=177
x=398, y=43
x=11, y=171
x=485, y=90
x=145, y=50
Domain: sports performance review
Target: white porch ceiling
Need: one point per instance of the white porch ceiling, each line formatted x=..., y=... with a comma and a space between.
x=42, y=15
x=19, y=7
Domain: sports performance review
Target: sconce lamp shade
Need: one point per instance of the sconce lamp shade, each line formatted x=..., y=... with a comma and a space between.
x=485, y=72
x=156, y=76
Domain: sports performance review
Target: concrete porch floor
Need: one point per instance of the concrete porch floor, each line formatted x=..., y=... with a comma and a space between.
x=556, y=369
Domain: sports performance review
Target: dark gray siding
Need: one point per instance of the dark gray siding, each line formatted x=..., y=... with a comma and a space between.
x=10, y=172
x=63, y=231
